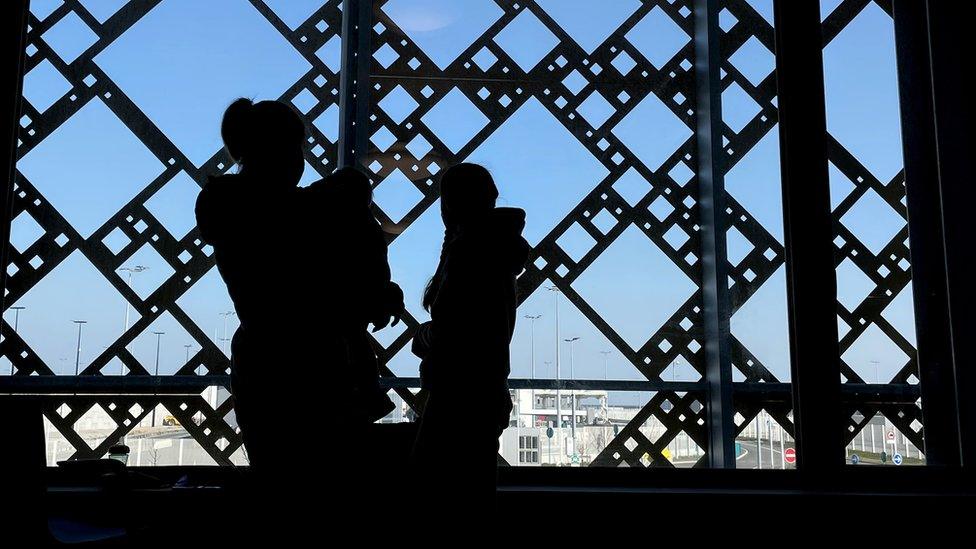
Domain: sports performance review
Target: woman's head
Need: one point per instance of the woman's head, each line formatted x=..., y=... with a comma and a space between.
x=467, y=193
x=266, y=137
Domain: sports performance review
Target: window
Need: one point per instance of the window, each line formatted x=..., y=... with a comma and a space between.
x=108, y=278
x=529, y=449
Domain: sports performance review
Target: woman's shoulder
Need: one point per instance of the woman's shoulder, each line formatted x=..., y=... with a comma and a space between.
x=222, y=179
x=220, y=185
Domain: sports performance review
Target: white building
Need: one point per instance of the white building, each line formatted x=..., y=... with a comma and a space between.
x=537, y=407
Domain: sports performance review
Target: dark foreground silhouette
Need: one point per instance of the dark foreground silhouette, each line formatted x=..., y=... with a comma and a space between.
x=465, y=347
x=307, y=272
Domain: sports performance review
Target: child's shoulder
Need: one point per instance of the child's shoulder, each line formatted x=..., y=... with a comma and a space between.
x=344, y=191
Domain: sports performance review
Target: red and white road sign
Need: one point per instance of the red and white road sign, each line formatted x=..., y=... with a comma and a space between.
x=891, y=435
x=790, y=455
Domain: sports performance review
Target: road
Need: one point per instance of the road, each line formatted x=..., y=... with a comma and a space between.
x=750, y=461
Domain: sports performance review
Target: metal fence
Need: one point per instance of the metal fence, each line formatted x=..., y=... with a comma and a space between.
x=381, y=62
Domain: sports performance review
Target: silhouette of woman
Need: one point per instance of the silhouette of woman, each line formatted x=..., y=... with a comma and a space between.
x=254, y=221
x=311, y=321
x=465, y=347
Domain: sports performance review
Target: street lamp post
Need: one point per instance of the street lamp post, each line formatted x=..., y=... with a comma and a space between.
x=225, y=315
x=131, y=271
x=80, y=323
x=223, y=342
x=559, y=410
x=548, y=364
x=16, y=309
x=159, y=336
x=606, y=356
x=758, y=443
x=572, y=393
x=532, y=319
x=674, y=377
x=884, y=419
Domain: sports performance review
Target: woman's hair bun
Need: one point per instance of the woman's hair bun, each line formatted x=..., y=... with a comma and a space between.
x=236, y=127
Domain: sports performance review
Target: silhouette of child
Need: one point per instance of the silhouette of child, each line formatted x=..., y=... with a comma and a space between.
x=465, y=347
x=364, y=292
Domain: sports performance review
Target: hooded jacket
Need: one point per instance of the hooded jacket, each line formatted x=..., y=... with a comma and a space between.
x=474, y=308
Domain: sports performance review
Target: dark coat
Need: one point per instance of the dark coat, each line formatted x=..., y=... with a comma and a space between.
x=257, y=235
x=304, y=268
x=473, y=312
x=358, y=274
x=465, y=353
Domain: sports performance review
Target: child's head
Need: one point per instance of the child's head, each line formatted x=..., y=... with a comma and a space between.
x=351, y=187
x=467, y=192
x=266, y=137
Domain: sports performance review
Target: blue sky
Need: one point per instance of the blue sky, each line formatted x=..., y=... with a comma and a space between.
x=186, y=61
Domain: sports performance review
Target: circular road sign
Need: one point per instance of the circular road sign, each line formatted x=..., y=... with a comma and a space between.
x=896, y=459
x=790, y=455
x=855, y=459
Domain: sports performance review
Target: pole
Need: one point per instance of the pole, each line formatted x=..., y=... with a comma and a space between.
x=572, y=393
x=532, y=319
x=125, y=327
x=80, y=323
x=673, y=379
x=884, y=419
x=159, y=336
x=782, y=450
x=225, y=339
x=606, y=356
x=532, y=349
x=559, y=413
x=16, y=310
x=758, y=444
x=17, y=316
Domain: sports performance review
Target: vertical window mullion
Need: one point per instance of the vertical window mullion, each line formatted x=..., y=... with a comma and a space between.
x=15, y=33
x=929, y=277
x=811, y=281
x=711, y=187
x=354, y=81
x=951, y=67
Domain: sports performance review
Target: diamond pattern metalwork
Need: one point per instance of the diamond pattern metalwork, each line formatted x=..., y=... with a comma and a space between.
x=889, y=270
x=656, y=197
x=493, y=83
x=134, y=225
